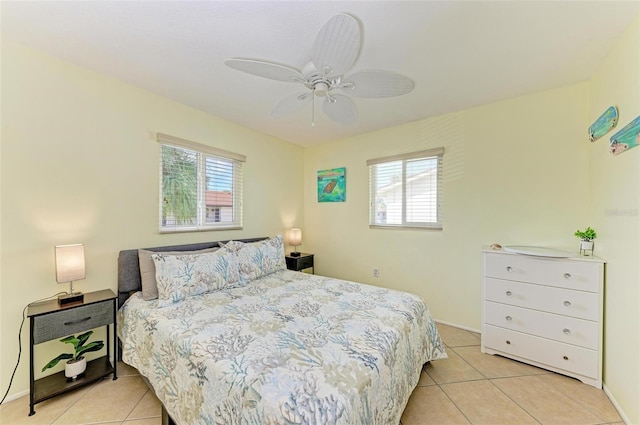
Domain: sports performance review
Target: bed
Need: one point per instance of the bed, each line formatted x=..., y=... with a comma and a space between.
x=276, y=347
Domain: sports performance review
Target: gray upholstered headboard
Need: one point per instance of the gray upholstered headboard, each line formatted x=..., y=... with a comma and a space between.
x=129, y=266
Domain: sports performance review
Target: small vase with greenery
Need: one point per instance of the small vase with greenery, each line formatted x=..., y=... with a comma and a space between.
x=586, y=237
x=76, y=363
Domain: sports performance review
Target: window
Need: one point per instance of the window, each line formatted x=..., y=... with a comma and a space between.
x=200, y=186
x=406, y=190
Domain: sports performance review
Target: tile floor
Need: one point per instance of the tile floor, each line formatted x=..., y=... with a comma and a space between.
x=467, y=388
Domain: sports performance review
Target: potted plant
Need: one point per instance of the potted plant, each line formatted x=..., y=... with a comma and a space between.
x=586, y=240
x=76, y=362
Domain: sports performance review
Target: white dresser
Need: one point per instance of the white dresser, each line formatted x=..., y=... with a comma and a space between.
x=545, y=311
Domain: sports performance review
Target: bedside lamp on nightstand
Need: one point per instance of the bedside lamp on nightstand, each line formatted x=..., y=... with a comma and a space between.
x=295, y=239
x=70, y=267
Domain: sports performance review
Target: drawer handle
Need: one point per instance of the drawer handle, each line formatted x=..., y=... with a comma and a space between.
x=567, y=276
x=567, y=303
x=565, y=357
x=75, y=322
x=508, y=342
x=508, y=318
x=566, y=331
x=508, y=293
x=509, y=269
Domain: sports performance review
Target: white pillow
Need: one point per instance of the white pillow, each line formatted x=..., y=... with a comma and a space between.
x=258, y=259
x=148, y=270
x=182, y=276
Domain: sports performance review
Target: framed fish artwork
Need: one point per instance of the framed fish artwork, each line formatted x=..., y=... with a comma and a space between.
x=625, y=139
x=604, y=123
x=332, y=185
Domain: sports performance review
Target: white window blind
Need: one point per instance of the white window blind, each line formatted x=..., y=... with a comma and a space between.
x=406, y=190
x=200, y=186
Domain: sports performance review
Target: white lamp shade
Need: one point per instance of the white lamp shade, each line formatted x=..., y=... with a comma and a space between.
x=295, y=237
x=69, y=263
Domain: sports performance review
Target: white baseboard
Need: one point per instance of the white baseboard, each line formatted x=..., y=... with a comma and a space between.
x=624, y=417
x=15, y=396
x=454, y=325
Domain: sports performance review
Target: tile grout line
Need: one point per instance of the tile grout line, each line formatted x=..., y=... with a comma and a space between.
x=484, y=379
x=490, y=381
x=577, y=401
x=584, y=406
x=89, y=388
x=470, y=365
x=454, y=403
x=134, y=407
x=510, y=398
x=531, y=414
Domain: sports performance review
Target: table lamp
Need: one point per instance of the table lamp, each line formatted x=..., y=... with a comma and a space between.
x=295, y=239
x=70, y=267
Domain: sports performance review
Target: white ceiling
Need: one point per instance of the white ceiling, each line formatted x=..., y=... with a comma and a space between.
x=460, y=53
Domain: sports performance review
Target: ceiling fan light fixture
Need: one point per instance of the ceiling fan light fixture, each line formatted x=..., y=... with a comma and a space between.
x=321, y=89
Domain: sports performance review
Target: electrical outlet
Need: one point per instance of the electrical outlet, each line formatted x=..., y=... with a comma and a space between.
x=376, y=272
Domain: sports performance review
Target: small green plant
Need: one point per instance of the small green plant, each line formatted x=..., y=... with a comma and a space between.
x=79, y=348
x=587, y=235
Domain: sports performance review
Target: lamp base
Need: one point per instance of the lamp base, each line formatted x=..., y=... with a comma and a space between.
x=76, y=297
x=294, y=254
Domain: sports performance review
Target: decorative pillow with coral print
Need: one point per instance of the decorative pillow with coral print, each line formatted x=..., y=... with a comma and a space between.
x=257, y=259
x=182, y=276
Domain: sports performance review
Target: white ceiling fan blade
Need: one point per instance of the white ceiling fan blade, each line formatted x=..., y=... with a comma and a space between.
x=270, y=70
x=290, y=104
x=377, y=83
x=337, y=45
x=340, y=109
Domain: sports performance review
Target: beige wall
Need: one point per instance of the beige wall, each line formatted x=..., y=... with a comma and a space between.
x=615, y=211
x=515, y=172
x=80, y=164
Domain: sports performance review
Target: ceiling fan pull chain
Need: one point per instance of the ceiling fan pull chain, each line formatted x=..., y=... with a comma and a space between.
x=313, y=108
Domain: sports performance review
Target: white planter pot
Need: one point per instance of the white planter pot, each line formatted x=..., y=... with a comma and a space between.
x=586, y=248
x=72, y=370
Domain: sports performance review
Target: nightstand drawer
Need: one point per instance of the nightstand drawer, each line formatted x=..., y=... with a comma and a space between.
x=305, y=262
x=301, y=262
x=71, y=321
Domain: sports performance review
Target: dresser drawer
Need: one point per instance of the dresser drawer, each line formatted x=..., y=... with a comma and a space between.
x=584, y=333
x=567, y=357
x=583, y=305
x=72, y=321
x=571, y=274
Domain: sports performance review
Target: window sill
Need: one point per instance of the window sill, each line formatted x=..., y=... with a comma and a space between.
x=199, y=229
x=404, y=227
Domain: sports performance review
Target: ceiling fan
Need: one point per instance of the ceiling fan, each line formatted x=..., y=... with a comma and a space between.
x=334, y=53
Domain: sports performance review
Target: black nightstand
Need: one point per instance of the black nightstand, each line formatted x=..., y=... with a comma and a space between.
x=49, y=321
x=304, y=261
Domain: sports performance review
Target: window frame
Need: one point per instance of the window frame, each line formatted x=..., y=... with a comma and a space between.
x=203, y=153
x=438, y=154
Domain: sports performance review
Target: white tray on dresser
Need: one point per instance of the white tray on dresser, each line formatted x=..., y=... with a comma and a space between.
x=545, y=311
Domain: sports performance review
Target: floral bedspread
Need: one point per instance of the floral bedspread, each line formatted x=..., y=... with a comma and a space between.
x=288, y=348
